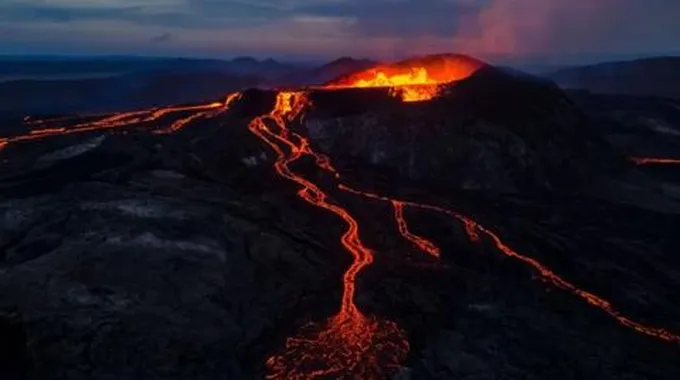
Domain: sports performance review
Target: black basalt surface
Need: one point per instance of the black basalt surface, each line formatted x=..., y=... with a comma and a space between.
x=186, y=257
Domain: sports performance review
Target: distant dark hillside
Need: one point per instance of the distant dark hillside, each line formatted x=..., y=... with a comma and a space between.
x=649, y=77
x=143, y=89
x=44, y=68
x=325, y=73
x=43, y=85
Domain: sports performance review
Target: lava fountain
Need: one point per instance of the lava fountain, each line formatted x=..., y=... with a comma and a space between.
x=349, y=344
x=413, y=80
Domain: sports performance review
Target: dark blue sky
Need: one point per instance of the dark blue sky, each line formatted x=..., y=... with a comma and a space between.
x=553, y=31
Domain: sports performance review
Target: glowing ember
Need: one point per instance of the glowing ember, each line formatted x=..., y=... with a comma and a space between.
x=345, y=347
x=348, y=344
x=655, y=161
x=471, y=230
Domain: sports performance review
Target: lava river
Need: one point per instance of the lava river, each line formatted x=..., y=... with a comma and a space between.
x=349, y=344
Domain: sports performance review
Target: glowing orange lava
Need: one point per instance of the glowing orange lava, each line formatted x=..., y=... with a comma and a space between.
x=655, y=161
x=349, y=344
x=412, y=86
x=473, y=229
x=122, y=119
x=213, y=110
x=413, y=80
x=421, y=243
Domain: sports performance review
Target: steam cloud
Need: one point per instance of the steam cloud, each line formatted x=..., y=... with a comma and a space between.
x=532, y=28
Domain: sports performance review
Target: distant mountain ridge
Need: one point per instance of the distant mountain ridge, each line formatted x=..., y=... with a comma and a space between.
x=322, y=74
x=658, y=76
x=42, y=67
x=36, y=86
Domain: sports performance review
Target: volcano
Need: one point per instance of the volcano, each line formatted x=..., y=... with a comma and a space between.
x=432, y=219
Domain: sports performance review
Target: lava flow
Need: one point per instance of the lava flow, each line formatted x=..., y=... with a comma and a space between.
x=123, y=119
x=421, y=243
x=349, y=344
x=210, y=113
x=473, y=229
x=655, y=161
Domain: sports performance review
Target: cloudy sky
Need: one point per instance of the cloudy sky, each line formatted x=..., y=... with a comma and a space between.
x=543, y=30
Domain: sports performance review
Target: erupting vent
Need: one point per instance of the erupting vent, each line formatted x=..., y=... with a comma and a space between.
x=413, y=80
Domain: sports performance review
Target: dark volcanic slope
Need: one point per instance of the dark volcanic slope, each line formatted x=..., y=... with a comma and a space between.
x=135, y=255
x=490, y=131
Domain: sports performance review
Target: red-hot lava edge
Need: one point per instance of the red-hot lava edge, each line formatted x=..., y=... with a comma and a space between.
x=118, y=120
x=655, y=161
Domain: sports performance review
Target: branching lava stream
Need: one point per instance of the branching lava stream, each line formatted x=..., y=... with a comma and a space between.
x=349, y=344
x=418, y=241
x=123, y=119
x=473, y=230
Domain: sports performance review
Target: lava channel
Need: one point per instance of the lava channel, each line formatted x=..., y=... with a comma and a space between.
x=210, y=113
x=423, y=244
x=473, y=230
x=123, y=119
x=349, y=344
